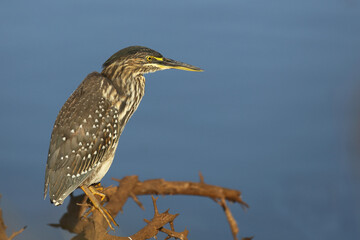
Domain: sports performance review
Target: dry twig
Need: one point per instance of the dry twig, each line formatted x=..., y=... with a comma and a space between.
x=3, y=235
x=232, y=222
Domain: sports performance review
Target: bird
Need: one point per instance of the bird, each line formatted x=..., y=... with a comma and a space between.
x=88, y=127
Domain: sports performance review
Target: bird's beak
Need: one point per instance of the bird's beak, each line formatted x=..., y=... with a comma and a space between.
x=167, y=63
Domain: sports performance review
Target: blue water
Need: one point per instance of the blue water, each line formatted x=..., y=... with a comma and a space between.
x=276, y=113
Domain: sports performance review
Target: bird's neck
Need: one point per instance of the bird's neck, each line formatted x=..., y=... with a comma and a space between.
x=123, y=76
x=130, y=89
x=129, y=85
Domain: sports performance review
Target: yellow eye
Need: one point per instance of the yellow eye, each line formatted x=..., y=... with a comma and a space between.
x=149, y=58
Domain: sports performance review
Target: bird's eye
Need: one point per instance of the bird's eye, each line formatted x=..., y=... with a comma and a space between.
x=149, y=58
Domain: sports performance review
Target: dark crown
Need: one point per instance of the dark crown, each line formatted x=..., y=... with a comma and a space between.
x=133, y=51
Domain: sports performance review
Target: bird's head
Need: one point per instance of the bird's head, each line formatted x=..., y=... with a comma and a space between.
x=141, y=60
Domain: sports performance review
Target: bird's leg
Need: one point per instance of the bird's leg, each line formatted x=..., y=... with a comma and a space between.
x=97, y=190
x=89, y=191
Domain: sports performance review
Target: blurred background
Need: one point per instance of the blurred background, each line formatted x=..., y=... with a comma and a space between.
x=276, y=114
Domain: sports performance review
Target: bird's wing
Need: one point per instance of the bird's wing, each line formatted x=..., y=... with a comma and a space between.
x=85, y=130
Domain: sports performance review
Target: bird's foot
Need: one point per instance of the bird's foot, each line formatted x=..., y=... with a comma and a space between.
x=97, y=190
x=98, y=187
x=96, y=204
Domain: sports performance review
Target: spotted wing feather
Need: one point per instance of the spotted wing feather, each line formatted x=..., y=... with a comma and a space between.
x=85, y=131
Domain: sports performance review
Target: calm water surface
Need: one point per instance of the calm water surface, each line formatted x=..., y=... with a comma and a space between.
x=275, y=114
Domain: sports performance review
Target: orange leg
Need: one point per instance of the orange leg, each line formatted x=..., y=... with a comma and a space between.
x=96, y=190
x=91, y=192
x=98, y=187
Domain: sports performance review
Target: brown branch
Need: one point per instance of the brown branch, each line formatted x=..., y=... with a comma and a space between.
x=201, y=178
x=152, y=228
x=14, y=234
x=95, y=226
x=3, y=235
x=162, y=187
x=233, y=225
x=172, y=234
x=136, y=200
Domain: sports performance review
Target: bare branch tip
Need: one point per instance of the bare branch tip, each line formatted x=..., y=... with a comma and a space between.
x=55, y=225
x=136, y=200
x=116, y=179
x=201, y=177
x=156, y=211
x=247, y=238
x=14, y=234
